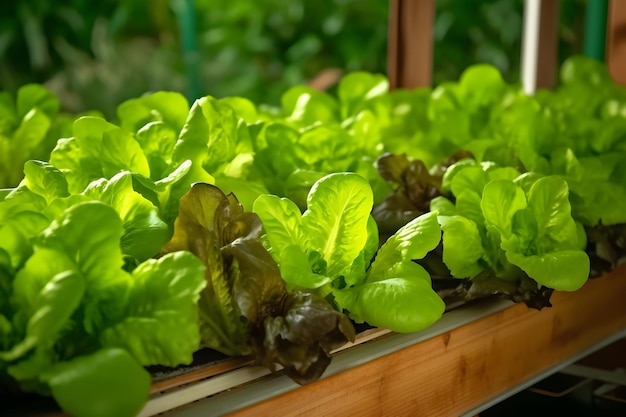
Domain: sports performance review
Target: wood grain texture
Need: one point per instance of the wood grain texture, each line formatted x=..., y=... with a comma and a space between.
x=616, y=41
x=410, y=43
x=547, y=52
x=458, y=371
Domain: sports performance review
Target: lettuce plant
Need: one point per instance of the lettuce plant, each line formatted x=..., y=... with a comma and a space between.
x=74, y=322
x=44, y=191
x=245, y=308
x=332, y=248
x=29, y=128
x=316, y=134
x=511, y=225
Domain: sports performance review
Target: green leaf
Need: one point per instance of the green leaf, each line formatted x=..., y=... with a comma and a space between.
x=144, y=231
x=501, y=200
x=307, y=106
x=462, y=246
x=548, y=199
x=79, y=169
x=45, y=180
x=121, y=152
x=210, y=136
x=299, y=183
x=97, y=150
x=35, y=96
x=561, y=270
x=296, y=270
x=470, y=178
x=325, y=146
x=443, y=206
x=584, y=70
x=88, y=236
x=336, y=218
x=53, y=305
x=243, y=107
x=403, y=301
x=356, y=88
x=453, y=170
x=40, y=270
x=31, y=132
x=468, y=205
x=480, y=86
x=157, y=140
x=159, y=324
x=106, y=383
x=171, y=108
x=413, y=241
x=21, y=219
x=281, y=221
x=246, y=191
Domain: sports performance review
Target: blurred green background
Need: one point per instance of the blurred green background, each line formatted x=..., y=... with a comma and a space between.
x=94, y=55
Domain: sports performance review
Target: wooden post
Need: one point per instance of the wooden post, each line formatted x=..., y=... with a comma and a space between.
x=616, y=41
x=548, y=44
x=410, y=43
x=540, y=44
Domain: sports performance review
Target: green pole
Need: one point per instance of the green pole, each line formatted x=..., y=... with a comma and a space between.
x=595, y=29
x=186, y=14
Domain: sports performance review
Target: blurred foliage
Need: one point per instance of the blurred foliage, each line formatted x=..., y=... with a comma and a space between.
x=97, y=54
x=490, y=31
x=259, y=48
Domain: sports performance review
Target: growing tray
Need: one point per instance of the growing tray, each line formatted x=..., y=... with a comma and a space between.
x=472, y=358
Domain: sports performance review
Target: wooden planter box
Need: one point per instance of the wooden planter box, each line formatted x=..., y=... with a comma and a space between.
x=472, y=358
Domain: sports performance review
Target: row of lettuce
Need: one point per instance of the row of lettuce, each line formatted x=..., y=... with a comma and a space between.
x=269, y=231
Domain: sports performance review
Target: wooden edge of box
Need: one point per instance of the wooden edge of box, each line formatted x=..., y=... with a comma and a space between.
x=461, y=369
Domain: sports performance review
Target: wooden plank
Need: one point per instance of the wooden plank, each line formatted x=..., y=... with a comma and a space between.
x=231, y=364
x=616, y=41
x=547, y=58
x=410, y=43
x=461, y=369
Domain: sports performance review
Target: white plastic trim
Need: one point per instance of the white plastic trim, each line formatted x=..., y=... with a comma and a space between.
x=530, y=45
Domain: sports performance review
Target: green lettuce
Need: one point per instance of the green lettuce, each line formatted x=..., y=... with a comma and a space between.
x=169, y=108
x=29, y=129
x=500, y=226
x=74, y=318
x=97, y=149
x=317, y=134
x=43, y=192
x=218, y=141
x=338, y=240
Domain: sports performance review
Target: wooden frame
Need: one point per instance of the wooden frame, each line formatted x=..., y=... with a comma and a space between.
x=616, y=41
x=457, y=370
x=410, y=43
